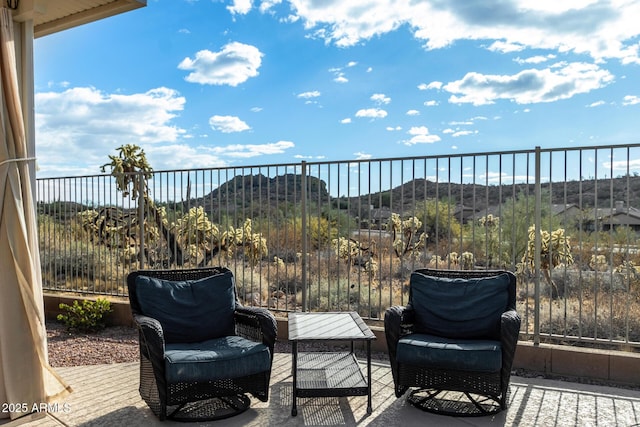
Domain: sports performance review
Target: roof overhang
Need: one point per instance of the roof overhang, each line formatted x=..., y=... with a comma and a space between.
x=51, y=16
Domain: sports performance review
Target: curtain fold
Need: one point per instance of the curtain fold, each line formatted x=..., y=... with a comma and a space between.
x=26, y=378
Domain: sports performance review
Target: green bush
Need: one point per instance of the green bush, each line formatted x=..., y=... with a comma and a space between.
x=85, y=317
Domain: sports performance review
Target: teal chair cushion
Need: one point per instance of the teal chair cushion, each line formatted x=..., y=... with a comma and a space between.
x=226, y=357
x=447, y=353
x=459, y=308
x=191, y=310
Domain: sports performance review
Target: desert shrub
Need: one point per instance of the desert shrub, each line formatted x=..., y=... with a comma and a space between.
x=87, y=316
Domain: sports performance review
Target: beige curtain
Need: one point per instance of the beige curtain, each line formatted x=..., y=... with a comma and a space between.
x=25, y=375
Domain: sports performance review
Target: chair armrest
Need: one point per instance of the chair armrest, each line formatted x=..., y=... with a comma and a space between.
x=509, y=327
x=256, y=324
x=151, y=340
x=398, y=322
x=509, y=333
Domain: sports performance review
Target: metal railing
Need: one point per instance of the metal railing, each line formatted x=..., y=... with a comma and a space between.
x=346, y=235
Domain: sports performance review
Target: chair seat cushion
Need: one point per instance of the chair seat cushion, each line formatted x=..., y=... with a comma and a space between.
x=446, y=353
x=225, y=357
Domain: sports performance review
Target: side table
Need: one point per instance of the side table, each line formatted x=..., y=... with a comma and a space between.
x=329, y=373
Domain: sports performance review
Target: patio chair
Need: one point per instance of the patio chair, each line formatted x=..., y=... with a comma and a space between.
x=201, y=352
x=455, y=341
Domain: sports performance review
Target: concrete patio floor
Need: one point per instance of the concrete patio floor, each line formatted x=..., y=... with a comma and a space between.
x=107, y=395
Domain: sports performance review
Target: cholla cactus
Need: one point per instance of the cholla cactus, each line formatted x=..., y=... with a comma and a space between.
x=489, y=221
x=629, y=271
x=404, y=232
x=435, y=261
x=491, y=235
x=278, y=263
x=353, y=253
x=345, y=249
x=467, y=261
x=371, y=267
x=555, y=250
x=453, y=259
x=598, y=263
x=255, y=245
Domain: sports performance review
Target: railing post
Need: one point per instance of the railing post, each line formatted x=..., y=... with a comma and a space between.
x=141, y=207
x=538, y=247
x=305, y=236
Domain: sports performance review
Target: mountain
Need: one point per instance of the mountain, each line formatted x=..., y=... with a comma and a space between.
x=252, y=194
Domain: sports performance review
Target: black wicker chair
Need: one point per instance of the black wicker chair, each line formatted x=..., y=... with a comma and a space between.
x=201, y=352
x=455, y=341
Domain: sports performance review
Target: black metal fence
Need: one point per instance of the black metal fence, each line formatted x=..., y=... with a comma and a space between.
x=346, y=235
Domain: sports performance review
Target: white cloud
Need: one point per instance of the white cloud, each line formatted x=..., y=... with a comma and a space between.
x=374, y=113
x=538, y=59
x=418, y=130
x=631, y=100
x=432, y=85
x=413, y=113
x=421, y=135
x=601, y=29
x=251, y=150
x=241, y=7
x=422, y=139
x=346, y=121
x=596, y=104
x=463, y=133
x=362, y=156
x=505, y=47
x=431, y=103
x=266, y=5
x=309, y=95
x=341, y=79
x=380, y=98
x=182, y=156
x=393, y=129
x=84, y=123
x=234, y=64
x=529, y=86
x=228, y=124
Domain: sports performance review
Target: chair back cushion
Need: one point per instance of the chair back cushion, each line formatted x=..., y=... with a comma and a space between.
x=190, y=310
x=459, y=308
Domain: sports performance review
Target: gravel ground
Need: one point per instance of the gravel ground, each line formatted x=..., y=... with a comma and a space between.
x=114, y=344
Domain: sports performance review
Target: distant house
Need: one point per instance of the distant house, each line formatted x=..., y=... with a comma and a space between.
x=569, y=210
x=605, y=219
x=463, y=214
x=380, y=217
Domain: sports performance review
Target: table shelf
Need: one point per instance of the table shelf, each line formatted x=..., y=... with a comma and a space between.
x=324, y=374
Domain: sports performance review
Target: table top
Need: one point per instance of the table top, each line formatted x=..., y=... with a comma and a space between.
x=328, y=326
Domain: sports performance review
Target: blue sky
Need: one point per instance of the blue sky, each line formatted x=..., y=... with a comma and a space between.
x=208, y=83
